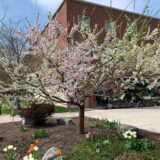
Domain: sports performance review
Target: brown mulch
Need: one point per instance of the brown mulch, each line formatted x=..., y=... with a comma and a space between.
x=63, y=137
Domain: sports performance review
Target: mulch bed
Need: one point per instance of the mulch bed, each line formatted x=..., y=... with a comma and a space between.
x=63, y=137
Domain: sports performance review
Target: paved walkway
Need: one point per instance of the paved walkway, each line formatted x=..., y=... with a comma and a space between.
x=144, y=118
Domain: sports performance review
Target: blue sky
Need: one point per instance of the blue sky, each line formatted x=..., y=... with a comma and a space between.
x=19, y=9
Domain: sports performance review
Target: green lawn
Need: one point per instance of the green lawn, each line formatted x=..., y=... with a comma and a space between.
x=58, y=109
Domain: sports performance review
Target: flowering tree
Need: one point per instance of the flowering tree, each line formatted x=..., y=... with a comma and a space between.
x=80, y=69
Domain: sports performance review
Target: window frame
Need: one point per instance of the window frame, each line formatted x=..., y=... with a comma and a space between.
x=105, y=24
x=80, y=22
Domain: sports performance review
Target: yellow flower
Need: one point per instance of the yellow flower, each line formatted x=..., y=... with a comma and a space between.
x=5, y=149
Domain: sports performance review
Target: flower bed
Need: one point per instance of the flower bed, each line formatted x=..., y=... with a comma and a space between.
x=103, y=143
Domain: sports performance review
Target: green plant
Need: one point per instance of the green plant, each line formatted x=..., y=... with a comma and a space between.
x=139, y=145
x=10, y=156
x=92, y=119
x=22, y=128
x=41, y=133
x=10, y=152
x=98, y=147
x=105, y=124
x=106, y=142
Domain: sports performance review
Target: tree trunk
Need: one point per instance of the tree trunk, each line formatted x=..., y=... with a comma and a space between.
x=81, y=120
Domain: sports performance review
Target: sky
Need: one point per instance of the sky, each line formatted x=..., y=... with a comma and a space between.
x=17, y=10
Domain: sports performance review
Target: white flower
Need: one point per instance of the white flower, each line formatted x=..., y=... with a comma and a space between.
x=5, y=149
x=134, y=132
x=36, y=148
x=25, y=158
x=15, y=148
x=135, y=136
x=129, y=137
x=30, y=156
x=10, y=147
x=125, y=136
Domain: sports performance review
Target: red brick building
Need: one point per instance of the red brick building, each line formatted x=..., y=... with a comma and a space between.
x=71, y=11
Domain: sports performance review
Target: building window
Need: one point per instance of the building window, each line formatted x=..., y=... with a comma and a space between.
x=150, y=32
x=108, y=26
x=83, y=21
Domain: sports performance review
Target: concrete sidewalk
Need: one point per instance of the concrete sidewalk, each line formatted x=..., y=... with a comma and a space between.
x=144, y=118
x=9, y=118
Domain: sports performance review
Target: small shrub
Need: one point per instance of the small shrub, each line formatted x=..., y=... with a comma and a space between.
x=38, y=113
x=41, y=133
x=22, y=128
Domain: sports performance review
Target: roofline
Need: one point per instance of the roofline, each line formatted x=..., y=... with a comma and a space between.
x=54, y=14
x=101, y=5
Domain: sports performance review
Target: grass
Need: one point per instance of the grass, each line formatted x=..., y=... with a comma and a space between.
x=58, y=109
x=8, y=111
